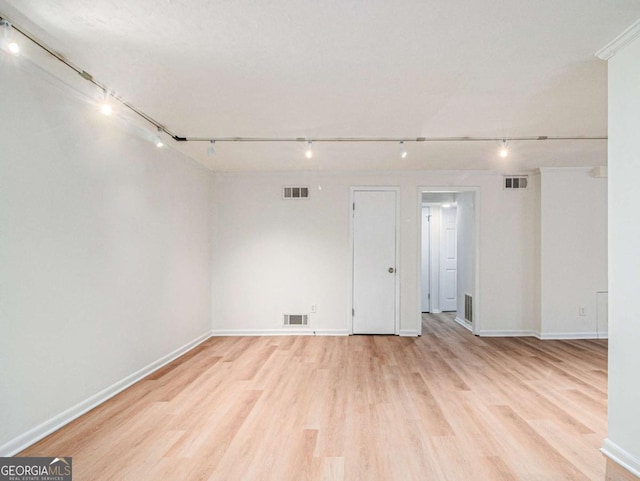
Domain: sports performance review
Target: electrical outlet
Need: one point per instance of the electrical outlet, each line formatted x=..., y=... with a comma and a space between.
x=581, y=311
x=313, y=308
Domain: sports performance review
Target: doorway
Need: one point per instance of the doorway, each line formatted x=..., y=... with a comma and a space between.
x=374, y=232
x=449, y=254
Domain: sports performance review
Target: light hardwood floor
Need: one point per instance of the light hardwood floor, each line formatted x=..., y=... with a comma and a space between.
x=445, y=406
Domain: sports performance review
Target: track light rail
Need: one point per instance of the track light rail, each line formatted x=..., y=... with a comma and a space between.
x=161, y=128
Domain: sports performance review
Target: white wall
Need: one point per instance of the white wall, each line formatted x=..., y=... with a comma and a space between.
x=508, y=259
x=466, y=248
x=623, y=443
x=275, y=256
x=105, y=253
x=573, y=251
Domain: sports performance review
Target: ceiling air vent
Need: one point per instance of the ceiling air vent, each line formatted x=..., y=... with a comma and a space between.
x=296, y=319
x=295, y=192
x=515, y=181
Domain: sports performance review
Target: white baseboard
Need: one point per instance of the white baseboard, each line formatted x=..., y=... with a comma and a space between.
x=408, y=333
x=280, y=332
x=464, y=323
x=25, y=440
x=546, y=336
x=332, y=332
x=506, y=333
x=620, y=456
x=571, y=335
x=436, y=311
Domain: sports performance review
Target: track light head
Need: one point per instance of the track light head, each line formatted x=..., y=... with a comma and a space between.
x=211, y=150
x=13, y=48
x=105, y=106
x=504, y=150
x=309, y=153
x=403, y=151
x=158, y=140
x=9, y=44
x=106, y=109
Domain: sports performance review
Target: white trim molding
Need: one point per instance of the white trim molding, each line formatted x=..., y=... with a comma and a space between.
x=544, y=336
x=34, y=435
x=408, y=333
x=542, y=170
x=571, y=335
x=279, y=332
x=618, y=43
x=506, y=333
x=621, y=456
x=464, y=323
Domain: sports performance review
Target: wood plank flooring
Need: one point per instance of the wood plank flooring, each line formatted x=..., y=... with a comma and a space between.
x=445, y=406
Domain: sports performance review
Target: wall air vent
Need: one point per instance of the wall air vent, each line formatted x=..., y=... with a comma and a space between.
x=296, y=319
x=295, y=192
x=515, y=182
x=468, y=308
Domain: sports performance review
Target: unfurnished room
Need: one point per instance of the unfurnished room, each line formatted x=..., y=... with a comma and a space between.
x=345, y=240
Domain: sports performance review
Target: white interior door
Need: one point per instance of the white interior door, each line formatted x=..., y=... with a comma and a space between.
x=448, y=259
x=424, y=269
x=374, y=262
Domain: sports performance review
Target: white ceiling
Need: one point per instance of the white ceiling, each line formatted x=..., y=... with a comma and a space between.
x=351, y=68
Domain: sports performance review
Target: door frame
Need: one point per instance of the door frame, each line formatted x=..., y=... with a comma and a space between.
x=424, y=206
x=477, y=203
x=435, y=211
x=374, y=188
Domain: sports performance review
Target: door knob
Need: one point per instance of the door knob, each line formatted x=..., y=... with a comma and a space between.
x=391, y=270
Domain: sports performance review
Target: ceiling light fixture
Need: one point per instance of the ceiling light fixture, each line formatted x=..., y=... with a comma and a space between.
x=106, y=109
x=8, y=44
x=309, y=153
x=211, y=151
x=504, y=151
x=14, y=48
x=158, y=140
x=403, y=151
x=105, y=106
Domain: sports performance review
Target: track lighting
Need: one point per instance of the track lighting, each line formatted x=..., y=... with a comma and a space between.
x=158, y=140
x=8, y=44
x=106, y=109
x=504, y=151
x=403, y=151
x=211, y=151
x=14, y=48
x=105, y=106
